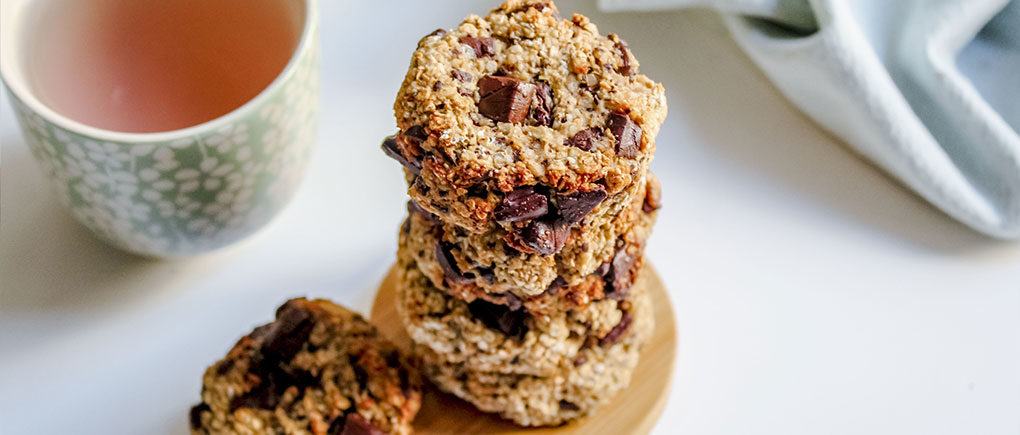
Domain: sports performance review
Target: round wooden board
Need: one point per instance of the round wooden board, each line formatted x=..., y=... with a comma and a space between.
x=633, y=411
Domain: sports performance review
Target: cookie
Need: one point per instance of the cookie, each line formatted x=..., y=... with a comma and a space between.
x=318, y=368
x=524, y=120
x=488, y=337
x=575, y=388
x=487, y=266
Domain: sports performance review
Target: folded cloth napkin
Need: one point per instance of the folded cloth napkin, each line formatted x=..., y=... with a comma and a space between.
x=928, y=89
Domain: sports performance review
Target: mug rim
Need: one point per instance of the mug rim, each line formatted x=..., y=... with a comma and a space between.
x=20, y=89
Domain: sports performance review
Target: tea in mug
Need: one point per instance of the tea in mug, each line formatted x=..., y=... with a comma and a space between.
x=158, y=65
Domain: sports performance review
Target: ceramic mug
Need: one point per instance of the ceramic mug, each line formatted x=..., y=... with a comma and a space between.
x=180, y=192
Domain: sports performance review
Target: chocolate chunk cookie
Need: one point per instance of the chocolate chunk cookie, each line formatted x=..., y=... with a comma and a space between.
x=574, y=389
x=486, y=265
x=317, y=369
x=524, y=120
x=487, y=337
x=439, y=253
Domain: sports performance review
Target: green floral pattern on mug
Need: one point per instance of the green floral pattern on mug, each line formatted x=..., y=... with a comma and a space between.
x=189, y=195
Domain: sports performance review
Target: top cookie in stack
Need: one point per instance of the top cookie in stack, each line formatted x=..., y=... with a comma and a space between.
x=524, y=121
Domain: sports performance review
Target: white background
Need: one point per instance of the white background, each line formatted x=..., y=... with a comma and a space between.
x=814, y=295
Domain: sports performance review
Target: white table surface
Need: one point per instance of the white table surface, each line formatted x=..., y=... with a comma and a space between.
x=813, y=294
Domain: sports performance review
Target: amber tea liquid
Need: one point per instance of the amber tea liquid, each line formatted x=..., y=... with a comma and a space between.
x=158, y=65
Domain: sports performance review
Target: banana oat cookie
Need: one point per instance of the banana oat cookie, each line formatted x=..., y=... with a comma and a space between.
x=485, y=265
x=574, y=389
x=524, y=120
x=317, y=369
x=486, y=337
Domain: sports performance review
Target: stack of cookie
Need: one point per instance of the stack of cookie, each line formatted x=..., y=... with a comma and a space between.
x=525, y=140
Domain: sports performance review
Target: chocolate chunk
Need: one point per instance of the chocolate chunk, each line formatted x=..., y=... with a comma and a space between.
x=355, y=424
x=437, y=32
x=513, y=302
x=336, y=425
x=538, y=7
x=413, y=207
x=499, y=317
x=626, y=67
x=573, y=208
x=482, y=46
x=581, y=359
x=554, y=287
x=408, y=146
x=621, y=275
x=521, y=204
x=478, y=190
x=449, y=265
x=290, y=331
x=542, y=110
x=487, y=274
x=195, y=415
x=544, y=236
x=505, y=99
x=406, y=386
x=584, y=139
x=627, y=134
x=461, y=75
x=568, y=406
x=281, y=340
x=390, y=147
x=464, y=92
x=510, y=251
x=437, y=86
x=392, y=357
x=265, y=396
x=225, y=367
x=616, y=334
x=261, y=331
x=491, y=83
x=360, y=375
x=274, y=382
x=417, y=133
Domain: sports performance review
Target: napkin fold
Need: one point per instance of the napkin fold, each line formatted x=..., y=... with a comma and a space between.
x=927, y=89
